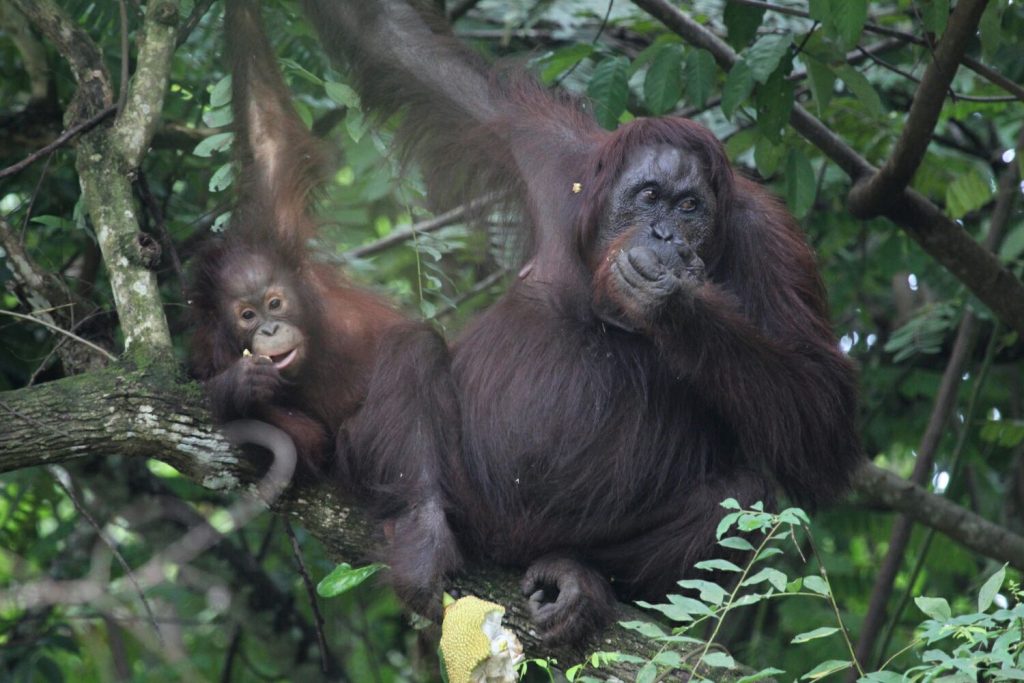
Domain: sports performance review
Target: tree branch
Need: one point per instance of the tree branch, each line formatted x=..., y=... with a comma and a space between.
x=151, y=414
x=937, y=234
x=880, y=486
x=869, y=196
x=136, y=124
x=107, y=157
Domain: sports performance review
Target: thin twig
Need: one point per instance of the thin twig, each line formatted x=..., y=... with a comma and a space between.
x=482, y=286
x=399, y=236
x=160, y=225
x=971, y=63
x=59, y=474
x=318, y=618
x=597, y=36
x=56, y=328
x=189, y=25
x=59, y=142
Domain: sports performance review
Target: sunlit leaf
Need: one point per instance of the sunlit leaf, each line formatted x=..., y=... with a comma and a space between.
x=218, y=142
x=816, y=584
x=990, y=588
x=936, y=608
x=822, y=632
x=719, y=660
x=760, y=675
x=344, y=578
x=826, y=669
x=718, y=565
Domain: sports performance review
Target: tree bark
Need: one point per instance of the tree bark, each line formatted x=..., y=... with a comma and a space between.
x=154, y=413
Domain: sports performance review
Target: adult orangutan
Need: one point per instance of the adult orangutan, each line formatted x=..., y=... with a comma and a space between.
x=365, y=393
x=666, y=345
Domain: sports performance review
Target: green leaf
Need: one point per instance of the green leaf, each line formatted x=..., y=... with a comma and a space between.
x=644, y=628
x=219, y=117
x=736, y=543
x=609, y=90
x=1006, y=433
x=647, y=673
x=777, y=579
x=663, y=85
x=816, y=584
x=220, y=94
x=990, y=28
x=826, y=669
x=737, y=88
x=767, y=156
x=218, y=142
x=673, y=612
x=989, y=589
x=936, y=608
x=820, y=10
x=342, y=94
x=731, y=504
x=719, y=660
x=774, y=103
x=763, y=57
x=882, y=677
x=700, y=77
x=718, y=565
x=222, y=177
x=53, y=222
x=861, y=89
x=761, y=675
x=725, y=523
x=801, y=186
x=345, y=577
x=822, y=632
x=710, y=592
x=741, y=22
x=560, y=61
x=935, y=15
x=822, y=81
x=847, y=18
x=969, y=191
x=689, y=604
x=669, y=659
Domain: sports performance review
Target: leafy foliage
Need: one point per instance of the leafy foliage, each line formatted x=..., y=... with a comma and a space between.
x=896, y=312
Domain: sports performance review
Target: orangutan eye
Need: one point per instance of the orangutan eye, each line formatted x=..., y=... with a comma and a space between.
x=649, y=194
x=688, y=204
x=274, y=304
x=248, y=314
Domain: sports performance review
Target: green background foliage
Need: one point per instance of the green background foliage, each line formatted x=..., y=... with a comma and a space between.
x=895, y=310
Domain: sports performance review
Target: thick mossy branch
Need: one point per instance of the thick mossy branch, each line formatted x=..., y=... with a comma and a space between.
x=154, y=413
x=108, y=156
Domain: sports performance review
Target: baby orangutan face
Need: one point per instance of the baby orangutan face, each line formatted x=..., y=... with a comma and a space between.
x=266, y=311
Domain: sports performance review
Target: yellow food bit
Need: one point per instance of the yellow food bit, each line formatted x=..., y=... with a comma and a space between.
x=577, y=188
x=475, y=647
x=246, y=353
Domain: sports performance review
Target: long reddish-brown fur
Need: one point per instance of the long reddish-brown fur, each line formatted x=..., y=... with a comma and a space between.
x=372, y=405
x=592, y=455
